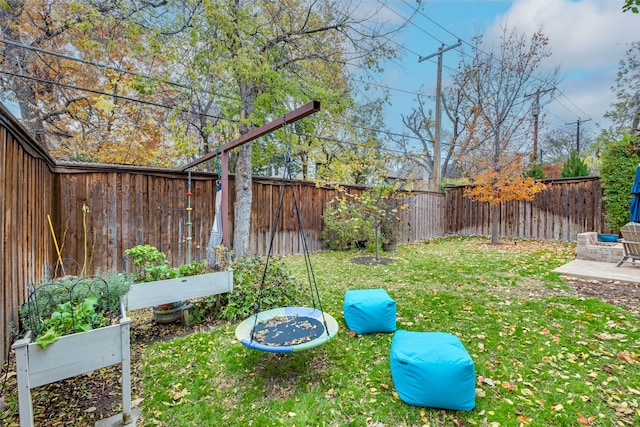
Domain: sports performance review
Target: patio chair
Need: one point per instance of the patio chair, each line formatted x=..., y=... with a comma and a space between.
x=630, y=242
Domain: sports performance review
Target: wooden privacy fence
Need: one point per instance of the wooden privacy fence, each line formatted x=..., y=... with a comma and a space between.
x=131, y=206
x=128, y=206
x=27, y=194
x=568, y=207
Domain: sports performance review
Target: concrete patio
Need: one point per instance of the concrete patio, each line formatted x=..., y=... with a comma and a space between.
x=604, y=271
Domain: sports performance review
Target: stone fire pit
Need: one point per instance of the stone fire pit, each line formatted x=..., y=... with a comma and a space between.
x=590, y=249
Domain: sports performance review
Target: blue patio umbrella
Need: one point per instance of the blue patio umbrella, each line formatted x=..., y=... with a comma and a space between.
x=634, y=206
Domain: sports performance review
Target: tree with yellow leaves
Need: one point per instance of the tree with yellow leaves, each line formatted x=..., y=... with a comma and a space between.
x=73, y=69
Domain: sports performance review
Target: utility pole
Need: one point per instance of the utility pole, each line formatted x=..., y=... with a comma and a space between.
x=436, y=143
x=535, y=110
x=577, y=123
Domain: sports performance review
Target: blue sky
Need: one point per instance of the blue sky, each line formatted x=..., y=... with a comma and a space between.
x=587, y=39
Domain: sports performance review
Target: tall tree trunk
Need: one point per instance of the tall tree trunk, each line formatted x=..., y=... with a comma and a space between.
x=242, y=206
x=495, y=223
x=244, y=178
x=14, y=58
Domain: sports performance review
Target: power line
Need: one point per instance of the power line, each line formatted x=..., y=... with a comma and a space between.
x=421, y=13
x=99, y=65
x=409, y=21
x=125, y=98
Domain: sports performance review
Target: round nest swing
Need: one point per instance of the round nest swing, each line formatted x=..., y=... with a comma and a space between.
x=287, y=329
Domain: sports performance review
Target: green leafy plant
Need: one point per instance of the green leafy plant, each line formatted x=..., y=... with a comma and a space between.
x=619, y=162
x=193, y=268
x=45, y=297
x=574, y=166
x=535, y=171
x=345, y=226
x=149, y=264
x=279, y=289
x=118, y=285
x=365, y=221
x=71, y=318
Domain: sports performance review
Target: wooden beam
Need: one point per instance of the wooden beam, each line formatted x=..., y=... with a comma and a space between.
x=291, y=117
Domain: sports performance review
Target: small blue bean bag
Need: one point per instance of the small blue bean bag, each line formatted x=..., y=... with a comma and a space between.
x=369, y=310
x=433, y=369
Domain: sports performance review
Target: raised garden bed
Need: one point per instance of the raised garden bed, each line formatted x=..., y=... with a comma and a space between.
x=83, y=352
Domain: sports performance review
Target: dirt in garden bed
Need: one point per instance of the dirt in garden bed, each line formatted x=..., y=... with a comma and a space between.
x=82, y=400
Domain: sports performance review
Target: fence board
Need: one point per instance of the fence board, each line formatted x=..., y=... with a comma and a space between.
x=26, y=194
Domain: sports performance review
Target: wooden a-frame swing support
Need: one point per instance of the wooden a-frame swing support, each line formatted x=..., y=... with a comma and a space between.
x=291, y=117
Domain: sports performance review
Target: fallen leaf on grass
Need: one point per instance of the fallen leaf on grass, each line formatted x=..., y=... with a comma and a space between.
x=489, y=382
x=626, y=356
x=622, y=409
x=524, y=419
x=180, y=394
x=459, y=422
x=586, y=421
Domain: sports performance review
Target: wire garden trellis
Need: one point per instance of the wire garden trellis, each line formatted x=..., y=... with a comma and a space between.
x=60, y=301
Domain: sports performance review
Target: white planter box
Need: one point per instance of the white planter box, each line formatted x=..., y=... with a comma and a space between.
x=149, y=294
x=72, y=355
x=83, y=352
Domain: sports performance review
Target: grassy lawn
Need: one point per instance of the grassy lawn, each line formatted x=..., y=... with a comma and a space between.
x=544, y=355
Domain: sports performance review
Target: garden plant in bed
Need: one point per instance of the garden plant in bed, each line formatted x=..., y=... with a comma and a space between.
x=150, y=266
x=72, y=321
x=71, y=304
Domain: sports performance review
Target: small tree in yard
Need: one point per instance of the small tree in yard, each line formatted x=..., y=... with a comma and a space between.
x=503, y=184
x=619, y=162
x=535, y=171
x=495, y=86
x=574, y=166
x=368, y=220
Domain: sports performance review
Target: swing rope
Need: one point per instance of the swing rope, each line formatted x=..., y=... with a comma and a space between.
x=287, y=181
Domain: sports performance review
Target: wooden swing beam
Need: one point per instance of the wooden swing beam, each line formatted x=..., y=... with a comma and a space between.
x=291, y=117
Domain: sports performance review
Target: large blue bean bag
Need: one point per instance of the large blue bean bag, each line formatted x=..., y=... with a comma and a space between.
x=369, y=310
x=433, y=369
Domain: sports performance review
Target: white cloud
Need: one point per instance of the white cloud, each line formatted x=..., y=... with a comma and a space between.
x=587, y=33
x=587, y=39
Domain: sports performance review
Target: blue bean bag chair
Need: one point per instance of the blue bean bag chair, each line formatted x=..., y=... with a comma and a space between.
x=433, y=369
x=369, y=310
